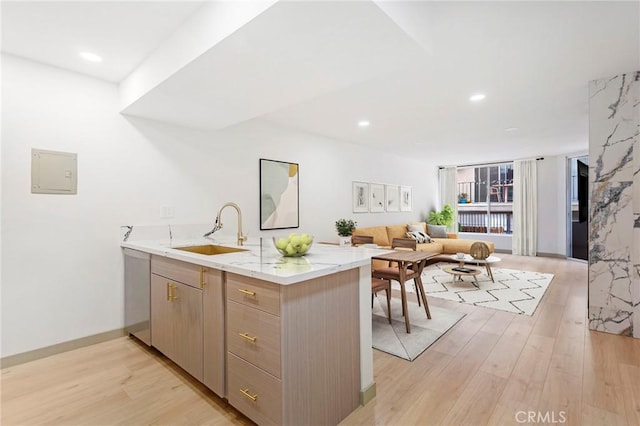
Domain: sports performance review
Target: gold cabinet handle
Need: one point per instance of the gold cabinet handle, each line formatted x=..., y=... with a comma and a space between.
x=249, y=338
x=246, y=393
x=202, y=272
x=247, y=292
x=169, y=292
x=172, y=295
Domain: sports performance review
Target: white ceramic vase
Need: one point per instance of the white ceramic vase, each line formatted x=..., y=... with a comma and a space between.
x=345, y=241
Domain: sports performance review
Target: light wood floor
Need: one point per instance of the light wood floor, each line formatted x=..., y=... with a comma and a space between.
x=485, y=370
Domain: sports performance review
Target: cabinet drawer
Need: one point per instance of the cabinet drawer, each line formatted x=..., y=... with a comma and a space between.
x=182, y=272
x=253, y=292
x=264, y=351
x=266, y=389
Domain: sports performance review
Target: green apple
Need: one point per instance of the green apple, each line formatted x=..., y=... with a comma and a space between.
x=296, y=241
x=282, y=243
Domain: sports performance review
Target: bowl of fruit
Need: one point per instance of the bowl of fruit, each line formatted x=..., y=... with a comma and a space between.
x=294, y=245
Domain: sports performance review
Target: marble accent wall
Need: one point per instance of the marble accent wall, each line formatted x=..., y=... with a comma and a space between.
x=614, y=185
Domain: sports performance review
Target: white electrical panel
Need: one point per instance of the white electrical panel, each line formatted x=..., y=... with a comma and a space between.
x=54, y=172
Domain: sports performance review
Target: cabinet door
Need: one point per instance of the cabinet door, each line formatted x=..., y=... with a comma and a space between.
x=161, y=316
x=213, y=339
x=176, y=317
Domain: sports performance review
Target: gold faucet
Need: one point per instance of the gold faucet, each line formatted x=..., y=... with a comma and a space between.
x=218, y=224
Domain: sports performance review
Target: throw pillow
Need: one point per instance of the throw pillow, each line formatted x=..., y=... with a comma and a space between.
x=414, y=236
x=412, y=227
x=437, y=231
x=425, y=237
x=419, y=236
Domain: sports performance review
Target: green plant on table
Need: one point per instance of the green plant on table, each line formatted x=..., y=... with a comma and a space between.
x=442, y=217
x=345, y=227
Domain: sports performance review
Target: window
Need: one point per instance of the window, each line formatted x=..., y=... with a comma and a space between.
x=485, y=197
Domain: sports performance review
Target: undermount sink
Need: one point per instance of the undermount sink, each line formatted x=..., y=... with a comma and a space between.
x=209, y=249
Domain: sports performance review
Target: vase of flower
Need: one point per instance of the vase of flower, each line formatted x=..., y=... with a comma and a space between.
x=345, y=228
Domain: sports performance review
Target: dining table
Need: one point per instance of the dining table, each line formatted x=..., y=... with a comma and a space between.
x=410, y=265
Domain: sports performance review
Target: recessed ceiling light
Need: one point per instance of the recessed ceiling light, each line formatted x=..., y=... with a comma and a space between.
x=477, y=97
x=363, y=123
x=91, y=57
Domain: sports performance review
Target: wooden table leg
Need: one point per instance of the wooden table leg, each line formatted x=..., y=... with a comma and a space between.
x=403, y=291
x=418, y=281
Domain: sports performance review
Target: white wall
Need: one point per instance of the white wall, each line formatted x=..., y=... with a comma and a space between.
x=61, y=262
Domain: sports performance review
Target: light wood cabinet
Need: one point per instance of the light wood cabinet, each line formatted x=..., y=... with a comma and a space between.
x=281, y=354
x=213, y=331
x=187, y=318
x=176, y=323
x=293, y=351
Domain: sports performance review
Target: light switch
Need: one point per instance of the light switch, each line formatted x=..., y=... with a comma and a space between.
x=54, y=172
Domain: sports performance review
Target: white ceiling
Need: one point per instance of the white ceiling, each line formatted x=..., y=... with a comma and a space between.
x=408, y=67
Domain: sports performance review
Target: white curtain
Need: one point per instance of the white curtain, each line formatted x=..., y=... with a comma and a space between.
x=525, y=207
x=448, y=178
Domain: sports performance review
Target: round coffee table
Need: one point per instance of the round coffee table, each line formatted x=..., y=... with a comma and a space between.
x=468, y=272
x=486, y=262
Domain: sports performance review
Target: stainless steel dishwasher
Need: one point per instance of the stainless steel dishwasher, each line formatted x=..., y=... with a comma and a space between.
x=137, y=294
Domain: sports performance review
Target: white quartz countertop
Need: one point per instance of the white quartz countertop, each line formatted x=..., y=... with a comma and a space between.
x=261, y=260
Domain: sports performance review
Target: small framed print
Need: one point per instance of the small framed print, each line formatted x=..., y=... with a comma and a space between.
x=360, y=197
x=392, y=198
x=405, y=198
x=376, y=197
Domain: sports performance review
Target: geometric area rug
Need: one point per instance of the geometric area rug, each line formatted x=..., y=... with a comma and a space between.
x=513, y=291
x=393, y=338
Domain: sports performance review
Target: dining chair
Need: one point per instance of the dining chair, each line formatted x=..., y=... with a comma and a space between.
x=378, y=284
x=361, y=239
x=392, y=272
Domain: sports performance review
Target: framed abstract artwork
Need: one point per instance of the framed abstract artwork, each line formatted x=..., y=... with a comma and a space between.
x=392, y=198
x=405, y=198
x=360, y=197
x=279, y=196
x=376, y=197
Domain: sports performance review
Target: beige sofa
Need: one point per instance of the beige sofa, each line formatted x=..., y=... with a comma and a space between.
x=383, y=235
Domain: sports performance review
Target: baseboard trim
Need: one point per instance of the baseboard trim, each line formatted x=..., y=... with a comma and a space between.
x=368, y=394
x=17, y=359
x=503, y=251
x=554, y=255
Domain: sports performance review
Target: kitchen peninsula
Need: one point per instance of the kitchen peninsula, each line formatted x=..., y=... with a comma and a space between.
x=287, y=340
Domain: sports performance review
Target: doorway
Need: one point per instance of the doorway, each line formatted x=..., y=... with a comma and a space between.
x=578, y=207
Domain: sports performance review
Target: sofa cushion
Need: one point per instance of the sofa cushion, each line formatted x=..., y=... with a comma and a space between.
x=396, y=231
x=379, y=234
x=452, y=246
x=437, y=231
x=432, y=247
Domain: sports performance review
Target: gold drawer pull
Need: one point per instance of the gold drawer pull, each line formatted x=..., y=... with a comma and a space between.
x=247, y=292
x=202, y=282
x=172, y=295
x=246, y=393
x=249, y=338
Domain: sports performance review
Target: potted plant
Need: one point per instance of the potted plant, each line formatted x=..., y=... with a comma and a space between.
x=443, y=217
x=462, y=198
x=345, y=228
